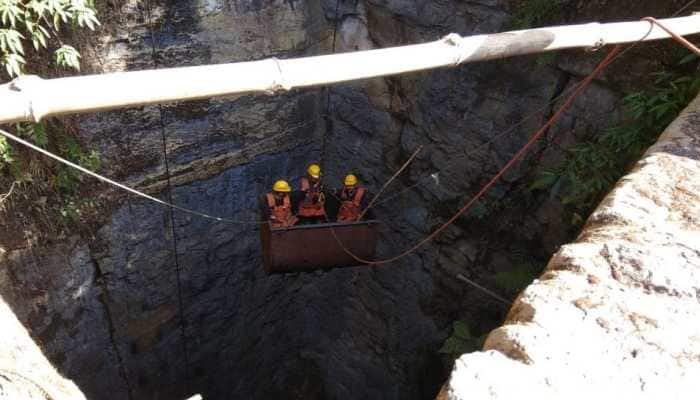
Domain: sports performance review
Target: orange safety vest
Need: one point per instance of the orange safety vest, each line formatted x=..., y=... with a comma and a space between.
x=312, y=205
x=281, y=215
x=350, y=209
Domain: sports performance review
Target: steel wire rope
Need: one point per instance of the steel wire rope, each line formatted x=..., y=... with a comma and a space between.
x=328, y=121
x=536, y=112
x=124, y=187
x=479, y=147
x=612, y=56
x=171, y=214
x=222, y=219
x=491, y=293
x=652, y=20
x=375, y=202
x=686, y=43
x=128, y=189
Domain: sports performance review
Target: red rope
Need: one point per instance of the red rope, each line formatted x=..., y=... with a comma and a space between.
x=678, y=38
x=606, y=61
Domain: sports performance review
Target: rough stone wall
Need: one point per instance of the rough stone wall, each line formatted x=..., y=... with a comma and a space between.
x=105, y=307
x=615, y=314
x=25, y=373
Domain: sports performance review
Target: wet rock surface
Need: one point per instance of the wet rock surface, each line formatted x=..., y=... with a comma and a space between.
x=106, y=307
x=614, y=313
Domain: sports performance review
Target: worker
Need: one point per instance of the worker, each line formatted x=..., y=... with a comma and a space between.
x=312, y=204
x=280, y=206
x=353, y=200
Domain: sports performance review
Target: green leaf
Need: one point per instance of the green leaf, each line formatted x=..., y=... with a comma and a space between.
x=11, y=41
x=14, y=64
x=450, y=346
x=6, y=155
x=39, y=134
x=10, y=12
x=68, y=57
x=461, y=330
x=687, y=59
x=544, y=180
x=576, y=219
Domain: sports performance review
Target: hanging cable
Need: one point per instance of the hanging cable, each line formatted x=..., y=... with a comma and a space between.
x=171, y=215
x=565, y=92
x=327, y=116
x=481, y=146
x=612, y=56
x=122, y=186
x=203, y=215
x=606, y=61
x=678, y=38
x=501, y=299
x=685, y=7
x=376, y=196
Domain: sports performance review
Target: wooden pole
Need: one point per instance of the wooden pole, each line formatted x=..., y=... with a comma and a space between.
x=32, y=98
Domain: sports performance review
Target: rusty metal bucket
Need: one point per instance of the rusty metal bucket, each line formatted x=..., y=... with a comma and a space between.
x=310, y=247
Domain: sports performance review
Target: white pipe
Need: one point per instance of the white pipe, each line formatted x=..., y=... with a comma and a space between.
x=33, y=98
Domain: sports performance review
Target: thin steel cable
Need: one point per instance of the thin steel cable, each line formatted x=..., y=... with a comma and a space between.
x=86, y=171
x=685, y=7
x=489, y=142
x=220, y=219
x=613, y=55
x=483, y=289
x=329, y=122
x=603, y=64
x=652, y=20
x=527, y=117
x=397, y=173
x=171, y=214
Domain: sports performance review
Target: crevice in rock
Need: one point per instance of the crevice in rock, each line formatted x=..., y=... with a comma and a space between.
x=104, y=299
x=563, y=81
x=362, y=333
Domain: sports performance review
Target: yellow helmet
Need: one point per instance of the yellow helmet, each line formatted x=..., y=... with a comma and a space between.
x=281, y=186
x=314, y=171
x=350, y=180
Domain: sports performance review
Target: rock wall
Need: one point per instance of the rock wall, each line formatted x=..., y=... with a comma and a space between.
x=615, y=313
x=105, y=306
x=24, y=371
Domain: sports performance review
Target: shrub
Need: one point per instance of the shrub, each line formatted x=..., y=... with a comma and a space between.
x=461, y=341
x=532, y=13
x=591, y=168
x=38, y=23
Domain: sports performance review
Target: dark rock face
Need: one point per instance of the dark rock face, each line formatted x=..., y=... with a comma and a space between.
x=106, y=308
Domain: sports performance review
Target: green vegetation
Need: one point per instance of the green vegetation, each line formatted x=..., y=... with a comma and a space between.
x=38, y=22
x=67, y=179
x=546, y=59
x=517, y=279
x=20, y=166
x=592, y=167
x=31, y=37
x=533, y=13
x=461, y=341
